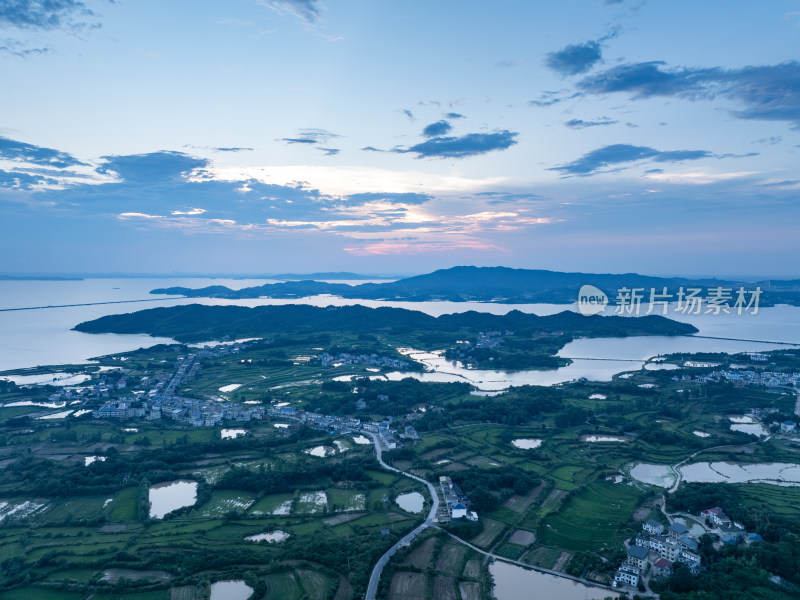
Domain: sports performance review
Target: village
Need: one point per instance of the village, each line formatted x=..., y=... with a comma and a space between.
x=655, y=550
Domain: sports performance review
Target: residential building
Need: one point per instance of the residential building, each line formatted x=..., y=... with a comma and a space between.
x=637, y=556
x=626, y=575
x=653, y=527
x=676, y=530
x=662, y=567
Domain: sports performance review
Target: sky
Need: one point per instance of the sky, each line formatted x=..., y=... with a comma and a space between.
x=268, y=136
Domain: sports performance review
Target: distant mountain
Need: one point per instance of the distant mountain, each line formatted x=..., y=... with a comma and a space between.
x=490, y=284
x=333, y=276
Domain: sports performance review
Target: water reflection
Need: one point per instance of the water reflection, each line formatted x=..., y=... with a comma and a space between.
x=515, y=583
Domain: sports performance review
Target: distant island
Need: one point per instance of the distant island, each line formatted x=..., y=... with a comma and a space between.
x=491, y=284
x=513, y=341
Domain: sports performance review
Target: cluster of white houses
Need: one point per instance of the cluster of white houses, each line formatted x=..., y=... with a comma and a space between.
x=661, y=549
x=456, y=503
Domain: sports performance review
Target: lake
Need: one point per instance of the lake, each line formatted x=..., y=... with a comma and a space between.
x=412, y=502
x=515, y=583
x=230, y=590
x=44, y=337
x=166, y=497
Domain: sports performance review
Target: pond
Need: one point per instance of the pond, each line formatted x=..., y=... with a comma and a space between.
x=786, y=474
x=230, y=590
x=701, y=434
x=166, y=497
x=54, y=379
x=526, y=443
x=87, y=460
x=658, y=475
x=412, y=502
x=515, y=583
x=273, y=536
x=230, y=388
x=361, y=440
x=232, y=434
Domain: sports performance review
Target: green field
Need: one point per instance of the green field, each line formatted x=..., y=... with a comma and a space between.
x=592, y=518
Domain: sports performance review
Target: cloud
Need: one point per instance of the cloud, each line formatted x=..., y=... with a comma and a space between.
x=23, y=152
x=618, y=154
x=454, y=115
x=307, y=10
x=152, y=167
x=310, y=136
x=232, y=149
x=402, y=198
x=581, y=124
x=471, y=144
x=407, y=113
x=191, y=211
x=15, y=48
x=768, y=92
x=575, y=58
x=330, y=151
x=436, y=129
x=551, y=98
x=46, y=14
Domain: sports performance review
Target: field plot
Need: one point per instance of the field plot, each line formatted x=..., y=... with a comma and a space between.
x=315, y=585
x=275, y=504
x=224, y=501
x=469, y=590
x=282, y=586
x=552, y=502
x=346, y=500
x=519, y=504
x=421, y=556
x=123, y=506
x=451, y=558
x=405, y=586
x=184, y=592
x=542, y=557
x=591, y=519
x=522, y=537
x=472, y=568
x=491, y=529
x=344, y=591
x=32, y=593
x=310, y=503
x=444, y=588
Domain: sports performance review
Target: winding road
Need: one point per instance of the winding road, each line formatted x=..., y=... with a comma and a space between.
x=375, y=577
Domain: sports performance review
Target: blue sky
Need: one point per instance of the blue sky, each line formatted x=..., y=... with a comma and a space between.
x=257, y=136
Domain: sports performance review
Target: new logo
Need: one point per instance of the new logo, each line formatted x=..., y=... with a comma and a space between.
x=591, y=300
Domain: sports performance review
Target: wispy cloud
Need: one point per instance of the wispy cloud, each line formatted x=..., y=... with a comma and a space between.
x=307, y=10
x=310, y=136
x=46, y=14
x=581, y=124
x=21, y=151
x=768, y=92
x=619, y=154
x=471, y=144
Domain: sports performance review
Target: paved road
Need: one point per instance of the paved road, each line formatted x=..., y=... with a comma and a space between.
x=375, y=577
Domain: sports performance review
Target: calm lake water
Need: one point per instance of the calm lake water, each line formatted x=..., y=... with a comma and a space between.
x=412, y=502
x=166, y=497
x=230, y=590
x=515, y=583
x=44, y=337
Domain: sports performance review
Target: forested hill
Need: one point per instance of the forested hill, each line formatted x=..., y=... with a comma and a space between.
x=196, y=322
x=479, y=283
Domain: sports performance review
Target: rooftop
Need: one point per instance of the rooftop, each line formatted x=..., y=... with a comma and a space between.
x=638, y=552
